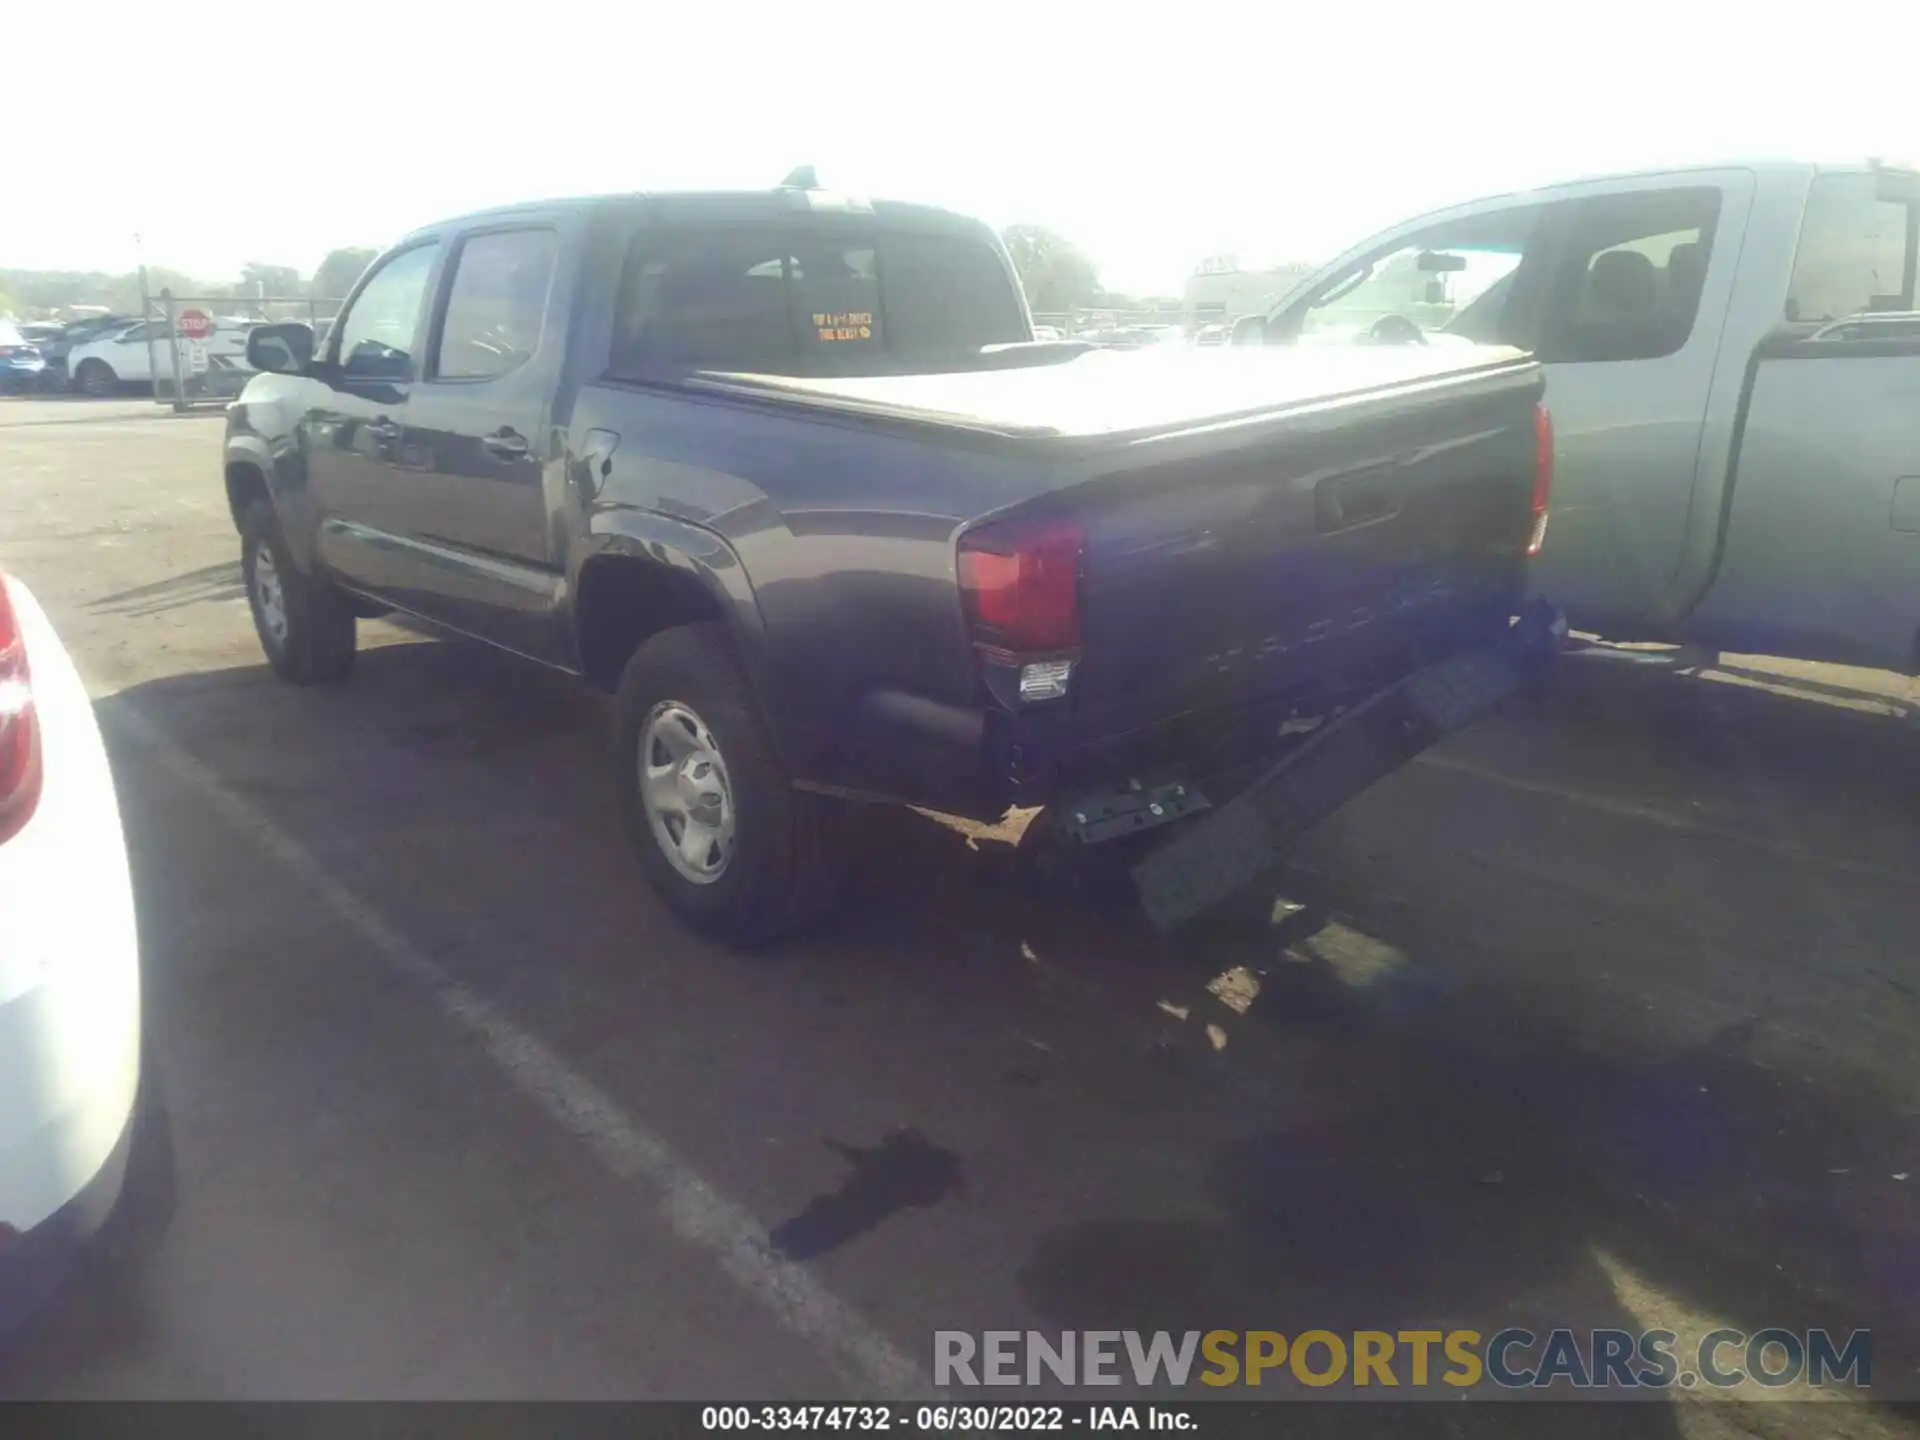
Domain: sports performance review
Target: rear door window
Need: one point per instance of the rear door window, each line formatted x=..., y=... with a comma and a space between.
x=1856, y=254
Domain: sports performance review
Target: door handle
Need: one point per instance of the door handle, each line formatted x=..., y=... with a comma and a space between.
x=506, y=445
x=384, y=434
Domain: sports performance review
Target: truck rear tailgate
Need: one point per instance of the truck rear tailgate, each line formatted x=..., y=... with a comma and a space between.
x=1352, y=540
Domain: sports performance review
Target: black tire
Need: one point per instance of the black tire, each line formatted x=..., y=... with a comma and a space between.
x=96, y=378
x=788, y=845
x=316, y=644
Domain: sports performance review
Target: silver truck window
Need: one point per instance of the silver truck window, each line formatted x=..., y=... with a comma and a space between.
x=496, y=306
x=1630, y=282
x=1455, y=278
x=376, y=334
x=1855, y=254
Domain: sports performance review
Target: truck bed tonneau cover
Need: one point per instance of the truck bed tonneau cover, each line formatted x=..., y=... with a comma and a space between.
x=1108, y=394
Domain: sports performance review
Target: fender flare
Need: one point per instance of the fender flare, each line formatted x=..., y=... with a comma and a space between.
x=648, y=537
x=288, y=498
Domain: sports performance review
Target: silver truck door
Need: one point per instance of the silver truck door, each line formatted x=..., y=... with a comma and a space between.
x=1821, y=553
x=1630, y=334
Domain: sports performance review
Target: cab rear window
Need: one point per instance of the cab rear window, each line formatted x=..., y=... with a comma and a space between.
x=777, y=300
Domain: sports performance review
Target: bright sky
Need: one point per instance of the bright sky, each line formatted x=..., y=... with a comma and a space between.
x=1153, y=134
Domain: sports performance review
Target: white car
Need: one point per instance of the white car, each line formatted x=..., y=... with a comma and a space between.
x=70, y=1031
x=131, y=354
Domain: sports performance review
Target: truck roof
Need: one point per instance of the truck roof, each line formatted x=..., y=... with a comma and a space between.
x=728, y=204
x=1774, y=165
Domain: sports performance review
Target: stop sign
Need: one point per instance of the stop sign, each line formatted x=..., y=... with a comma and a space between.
x=194, y=324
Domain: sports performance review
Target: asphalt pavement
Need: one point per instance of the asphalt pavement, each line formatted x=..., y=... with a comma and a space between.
x=1601, y=1015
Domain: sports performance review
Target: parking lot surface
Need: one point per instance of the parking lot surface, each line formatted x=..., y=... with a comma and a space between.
x=1603, y=1014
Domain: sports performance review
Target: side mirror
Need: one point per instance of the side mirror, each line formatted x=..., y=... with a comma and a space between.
x=282, y=349
x=1249, y=330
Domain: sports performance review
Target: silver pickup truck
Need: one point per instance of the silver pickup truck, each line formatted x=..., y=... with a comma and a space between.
x=1733, y=367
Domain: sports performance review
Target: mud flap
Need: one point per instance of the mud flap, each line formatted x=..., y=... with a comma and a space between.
x=1246, y=837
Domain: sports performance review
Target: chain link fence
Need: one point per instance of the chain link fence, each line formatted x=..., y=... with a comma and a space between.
x=197, y=344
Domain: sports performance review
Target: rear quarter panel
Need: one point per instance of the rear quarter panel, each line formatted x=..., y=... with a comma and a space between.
x=834, y=543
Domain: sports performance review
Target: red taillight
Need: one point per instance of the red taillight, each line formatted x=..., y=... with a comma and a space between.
x=6, y=352
x=19, y=729
x=1542, y=496
x=1020, y=585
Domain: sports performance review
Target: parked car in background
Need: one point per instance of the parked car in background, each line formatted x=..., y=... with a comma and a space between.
x=74, y=1112
x=826, y=542
x=1211, y=335
x=139, y=353
x=21, y=364
x=70, y=333
x=1130, y=337
x=1732, y=354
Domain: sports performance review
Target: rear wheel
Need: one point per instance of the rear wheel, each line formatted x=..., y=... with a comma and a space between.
x=719, y=829
x=96, y=378
x=305, y=626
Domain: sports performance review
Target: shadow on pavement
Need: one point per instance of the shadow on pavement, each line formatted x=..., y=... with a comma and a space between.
x=209, y=584
x=1424, y=1148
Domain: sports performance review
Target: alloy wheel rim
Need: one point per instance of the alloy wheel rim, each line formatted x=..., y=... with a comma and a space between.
x=269, y=595
x=686, y=792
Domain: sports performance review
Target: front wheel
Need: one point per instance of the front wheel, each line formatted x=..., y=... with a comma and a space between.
x=305, y=626
x=96, y=378
x=721, y=833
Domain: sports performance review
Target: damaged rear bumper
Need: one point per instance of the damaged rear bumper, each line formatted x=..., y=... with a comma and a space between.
x=1209, y=861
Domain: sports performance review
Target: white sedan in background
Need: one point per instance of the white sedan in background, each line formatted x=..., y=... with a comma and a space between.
x=70, y=1031
x=134, y=354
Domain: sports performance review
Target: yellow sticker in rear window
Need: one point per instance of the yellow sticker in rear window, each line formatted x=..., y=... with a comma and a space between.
x=844, y=324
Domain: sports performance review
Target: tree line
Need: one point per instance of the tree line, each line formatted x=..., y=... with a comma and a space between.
x=37, y=290
x=1056, y=273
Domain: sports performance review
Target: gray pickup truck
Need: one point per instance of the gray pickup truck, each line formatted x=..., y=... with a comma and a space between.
x=1733, y=365
x=788, y=475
